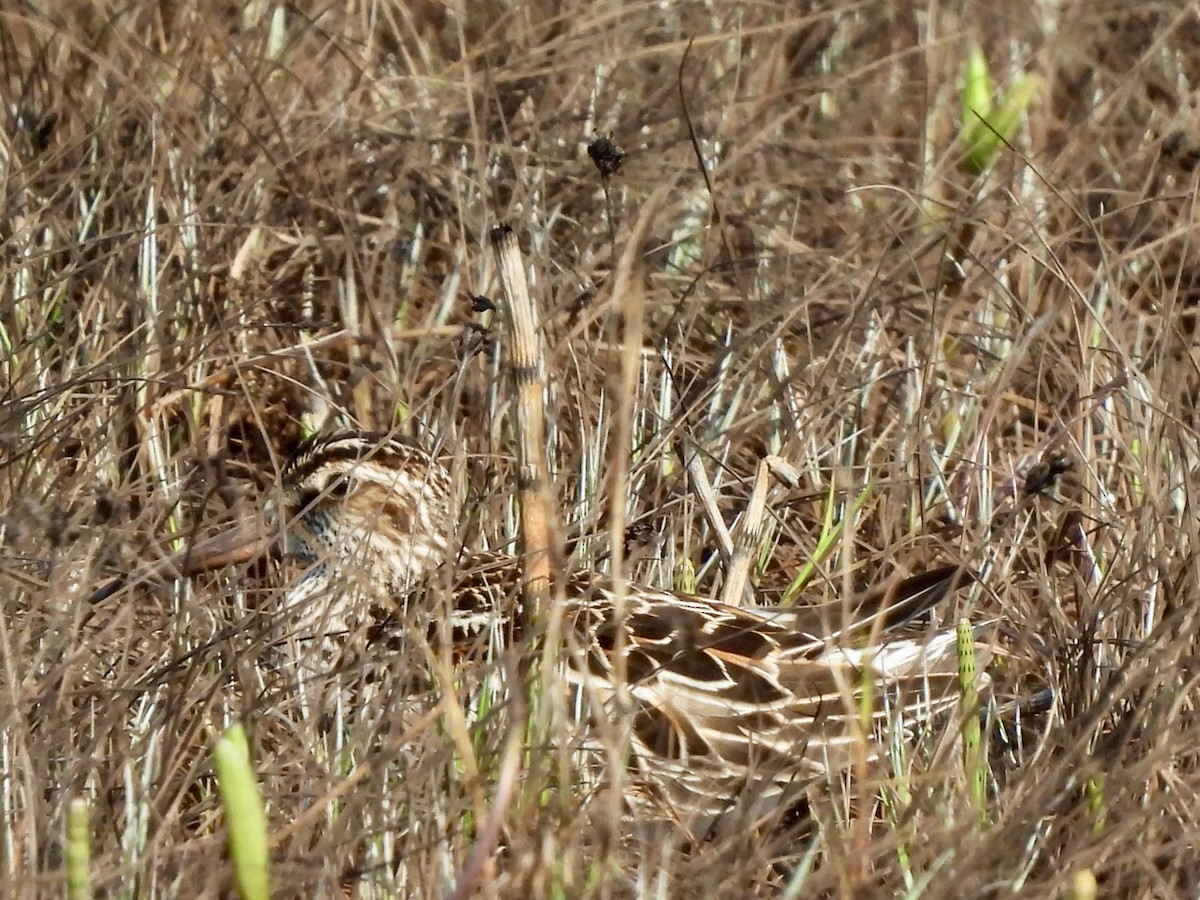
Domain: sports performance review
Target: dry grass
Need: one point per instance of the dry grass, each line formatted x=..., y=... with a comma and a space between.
x=217, y=237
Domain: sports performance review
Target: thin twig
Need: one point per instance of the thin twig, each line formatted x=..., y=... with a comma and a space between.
x=708, y=499
x=510, y=769
x=320, y=807
x=233, y=364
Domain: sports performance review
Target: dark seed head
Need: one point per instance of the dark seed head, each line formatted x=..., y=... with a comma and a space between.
x=607, y=155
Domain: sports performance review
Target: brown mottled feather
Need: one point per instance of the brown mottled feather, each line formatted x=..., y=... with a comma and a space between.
x=718, y=698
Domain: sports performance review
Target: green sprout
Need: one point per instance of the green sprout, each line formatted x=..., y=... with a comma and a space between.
x=244, y=815
x=985, y=129
x=974, y=751
x=79, y=851
x=685, y=577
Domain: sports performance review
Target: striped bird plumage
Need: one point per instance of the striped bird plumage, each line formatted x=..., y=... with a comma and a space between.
x=716, y=699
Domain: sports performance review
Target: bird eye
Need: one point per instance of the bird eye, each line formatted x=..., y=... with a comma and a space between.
x=339, y=487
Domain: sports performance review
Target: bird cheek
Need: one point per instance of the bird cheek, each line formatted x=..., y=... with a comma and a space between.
x=280, y=520
x=301, y=543
x=299, y=549
x=399, y=514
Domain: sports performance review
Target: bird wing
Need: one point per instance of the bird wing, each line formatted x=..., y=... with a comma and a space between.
x=768, y=691
x=716, y=697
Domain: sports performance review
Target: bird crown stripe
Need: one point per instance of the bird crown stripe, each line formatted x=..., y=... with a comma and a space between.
x=338, y=447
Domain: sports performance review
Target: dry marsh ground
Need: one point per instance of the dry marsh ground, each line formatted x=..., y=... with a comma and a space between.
x=224, y=227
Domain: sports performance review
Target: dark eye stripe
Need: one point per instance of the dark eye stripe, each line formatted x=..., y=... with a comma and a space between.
x=338, y=487
x=307, y=499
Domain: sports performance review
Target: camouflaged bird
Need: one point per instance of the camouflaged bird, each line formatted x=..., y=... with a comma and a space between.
x=721, y=703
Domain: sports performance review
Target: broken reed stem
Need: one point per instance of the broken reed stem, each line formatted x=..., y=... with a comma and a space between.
x=737, y=573
x=541, y=555
x=749, y=534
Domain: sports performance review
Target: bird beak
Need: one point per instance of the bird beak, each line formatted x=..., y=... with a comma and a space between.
x=242, y=544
